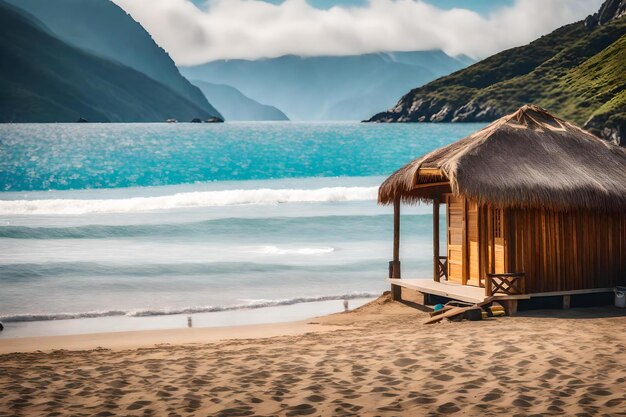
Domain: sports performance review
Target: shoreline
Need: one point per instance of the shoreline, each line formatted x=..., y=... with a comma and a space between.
x=174, y=325
x=145, y=339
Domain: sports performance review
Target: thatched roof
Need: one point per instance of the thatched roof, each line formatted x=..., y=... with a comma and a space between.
x=527, y=159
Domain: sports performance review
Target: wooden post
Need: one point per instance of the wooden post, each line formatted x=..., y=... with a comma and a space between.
x=436, y=239
x=510, y=306
x=567, y=301
x=492, y=241
x=394, y=267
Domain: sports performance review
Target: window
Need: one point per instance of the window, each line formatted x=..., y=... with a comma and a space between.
x=497, y=223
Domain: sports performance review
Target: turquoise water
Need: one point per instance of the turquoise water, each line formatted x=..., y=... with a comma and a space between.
x=79, y=156
x=158, y=219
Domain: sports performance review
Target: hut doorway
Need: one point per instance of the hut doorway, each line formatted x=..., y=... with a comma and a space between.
x=456, y=233
x=464, y=257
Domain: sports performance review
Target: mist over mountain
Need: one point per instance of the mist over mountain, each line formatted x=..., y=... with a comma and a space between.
x=330, y=87
x=234, y=105
x=103, y=28
x=43, y=79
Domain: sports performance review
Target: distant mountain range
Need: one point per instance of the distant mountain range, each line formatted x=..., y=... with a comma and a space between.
x=234, y=105
x=101, y=28
x=577, y=72
x=329, y=88
x=43, y=79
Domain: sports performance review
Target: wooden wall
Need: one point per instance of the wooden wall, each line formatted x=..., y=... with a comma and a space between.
x=558, y=251
x=562, y=251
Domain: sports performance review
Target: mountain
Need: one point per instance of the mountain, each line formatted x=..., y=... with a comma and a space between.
x=103, y=28
x=578, y=72
x=43, y=79
x=234, y=105
x=328, y=87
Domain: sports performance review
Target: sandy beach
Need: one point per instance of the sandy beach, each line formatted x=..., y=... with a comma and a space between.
x=377, y=360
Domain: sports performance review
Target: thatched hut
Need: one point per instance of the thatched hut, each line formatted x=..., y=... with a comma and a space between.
x=535, y=207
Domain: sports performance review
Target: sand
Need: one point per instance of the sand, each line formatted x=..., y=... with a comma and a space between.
x=377, y=360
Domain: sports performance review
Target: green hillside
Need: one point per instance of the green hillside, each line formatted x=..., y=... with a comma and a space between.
x=42, y=79
x=104, y=29
x=577, y=72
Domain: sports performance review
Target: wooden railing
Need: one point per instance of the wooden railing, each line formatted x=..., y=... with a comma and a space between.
x=442, y=267
x=511, y=283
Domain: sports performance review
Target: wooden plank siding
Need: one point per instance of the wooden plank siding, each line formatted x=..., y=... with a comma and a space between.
x=455, y=234
x=558, y=251
x=561, y=251
x=473, y=252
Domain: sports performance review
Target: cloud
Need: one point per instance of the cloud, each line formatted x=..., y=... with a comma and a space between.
x=252, y=29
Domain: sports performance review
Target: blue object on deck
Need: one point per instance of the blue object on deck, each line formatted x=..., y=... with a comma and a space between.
x=438, y=307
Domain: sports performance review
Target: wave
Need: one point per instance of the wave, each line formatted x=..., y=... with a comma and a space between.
x=356, y=225
x=186, y=310
x=262, y=196
x=275, y=250
x=24, y=271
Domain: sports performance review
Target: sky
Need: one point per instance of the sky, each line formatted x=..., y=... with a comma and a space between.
x=198, y=31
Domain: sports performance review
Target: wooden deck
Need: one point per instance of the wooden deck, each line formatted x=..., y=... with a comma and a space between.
x=472, y=294
x=467, y=293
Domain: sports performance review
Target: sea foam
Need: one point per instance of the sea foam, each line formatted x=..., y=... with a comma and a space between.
x=275, y=250
x=262, y=196
x=253, y=304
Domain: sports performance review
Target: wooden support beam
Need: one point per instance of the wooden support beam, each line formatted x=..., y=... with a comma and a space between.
x=488, y=287
x=436, y=239
x=429, y=171
x=394, y=267
x=396, y=230
x=430, y=184
x=510, y=306
x=492, y=240
x=567, y=300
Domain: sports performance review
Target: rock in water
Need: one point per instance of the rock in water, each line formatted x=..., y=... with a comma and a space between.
x=1, y=326
x=196, y=120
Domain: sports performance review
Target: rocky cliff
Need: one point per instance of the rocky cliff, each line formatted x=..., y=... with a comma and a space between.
x=577, y=72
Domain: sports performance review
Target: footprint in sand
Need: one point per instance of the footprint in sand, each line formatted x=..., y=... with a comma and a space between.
x=119, y=384
x=521, y=402
x=448, y=408
x=422, y=400
x=138, y=404
x=315, y=398
x=385, y=371
x=492, y=395
x=192, y=402
x=236, y=412
x=599, y=391
x=301, y=410
x=402, y=362
x=614, y=402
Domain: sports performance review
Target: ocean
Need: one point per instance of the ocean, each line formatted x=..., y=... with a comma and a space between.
x=121, y=222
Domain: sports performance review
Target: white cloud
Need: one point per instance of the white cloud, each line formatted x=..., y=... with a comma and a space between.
x=251, y=29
